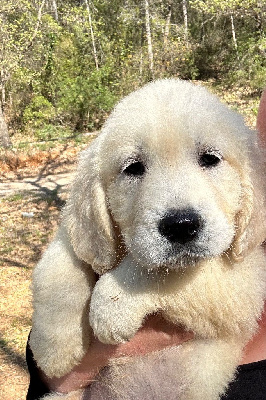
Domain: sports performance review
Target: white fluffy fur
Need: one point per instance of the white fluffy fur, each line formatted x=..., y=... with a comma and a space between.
x=110, y=226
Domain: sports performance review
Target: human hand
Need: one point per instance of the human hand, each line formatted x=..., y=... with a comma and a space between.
x=256, y=348
x=156, y=334
x=261, y=119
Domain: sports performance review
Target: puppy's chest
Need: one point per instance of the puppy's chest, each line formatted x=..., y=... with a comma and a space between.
x=216, y=300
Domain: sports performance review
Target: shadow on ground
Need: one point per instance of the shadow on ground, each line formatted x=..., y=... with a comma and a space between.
x=11, y=356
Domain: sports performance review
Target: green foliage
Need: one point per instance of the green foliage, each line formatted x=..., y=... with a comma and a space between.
x=176, y=59
x=50, y=132
x=223, y=6
x=39, y=112
x=15, y=197
x=81, y=95
x=252, y=66
x=60, y=75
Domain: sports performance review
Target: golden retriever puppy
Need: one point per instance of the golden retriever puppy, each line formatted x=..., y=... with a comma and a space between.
x=167, y=208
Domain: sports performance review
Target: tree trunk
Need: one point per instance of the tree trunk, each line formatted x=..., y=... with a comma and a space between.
x=87, y=3
x=184, y=5
x=149, y=39
x=234, y=34
x=166, y=32
x=54, y=6
x=167, y=25
x=259, y=17
x=4, y=136
x=39, y=17
x=141, y=64
x=3, y=88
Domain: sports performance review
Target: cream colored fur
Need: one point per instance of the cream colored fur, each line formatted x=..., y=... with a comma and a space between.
x=216, y=288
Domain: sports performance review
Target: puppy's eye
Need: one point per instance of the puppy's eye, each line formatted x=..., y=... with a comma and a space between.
x=210, y=159
x=135, y=168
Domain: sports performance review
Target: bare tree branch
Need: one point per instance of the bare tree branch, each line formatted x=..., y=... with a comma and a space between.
x=96, y=60
x=4, y=136
x=184, y=6
x=39, y=17
x=167, y=25
x=54, y=5
x=149, y=39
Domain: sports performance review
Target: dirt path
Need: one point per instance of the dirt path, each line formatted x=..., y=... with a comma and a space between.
x=57, y=183
x=32, y=191
x=28, y=220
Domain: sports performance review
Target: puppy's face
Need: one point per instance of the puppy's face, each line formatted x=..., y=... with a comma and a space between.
x=171, y=170
x=173, y=185
x=175, y=205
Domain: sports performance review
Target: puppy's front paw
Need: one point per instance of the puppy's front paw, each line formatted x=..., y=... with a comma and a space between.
x=116, y=312
x=117, y=309
x=113, y=318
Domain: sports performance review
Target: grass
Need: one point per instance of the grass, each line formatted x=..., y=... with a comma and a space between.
x=15, y=197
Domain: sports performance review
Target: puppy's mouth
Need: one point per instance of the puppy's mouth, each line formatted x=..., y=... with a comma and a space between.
x=173, y=260
x=163, y=256
x=181, y=260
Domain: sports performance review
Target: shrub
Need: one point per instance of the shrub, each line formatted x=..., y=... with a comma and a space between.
x=38, y=113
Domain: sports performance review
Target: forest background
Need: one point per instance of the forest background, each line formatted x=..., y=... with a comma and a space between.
x=65, y=63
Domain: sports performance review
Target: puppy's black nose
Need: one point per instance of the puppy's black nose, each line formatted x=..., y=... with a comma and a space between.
x=180, y=226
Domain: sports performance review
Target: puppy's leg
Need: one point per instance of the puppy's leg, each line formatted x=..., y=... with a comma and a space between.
x=62, y=286
x=196, y=370
x=120, y=301
x=207, y=367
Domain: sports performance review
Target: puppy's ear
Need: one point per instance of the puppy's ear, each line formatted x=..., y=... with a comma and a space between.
x=86, y=215
x=250, y=221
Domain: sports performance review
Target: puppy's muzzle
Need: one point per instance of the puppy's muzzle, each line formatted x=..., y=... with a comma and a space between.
x=180, y=226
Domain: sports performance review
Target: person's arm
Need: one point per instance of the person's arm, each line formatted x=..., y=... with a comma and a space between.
x=156, y=334
x=256, y=348
x=37, y=387
x=261, y=119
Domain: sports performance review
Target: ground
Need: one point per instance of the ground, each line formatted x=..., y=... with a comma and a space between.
x=32, y=192
x=33, y=188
